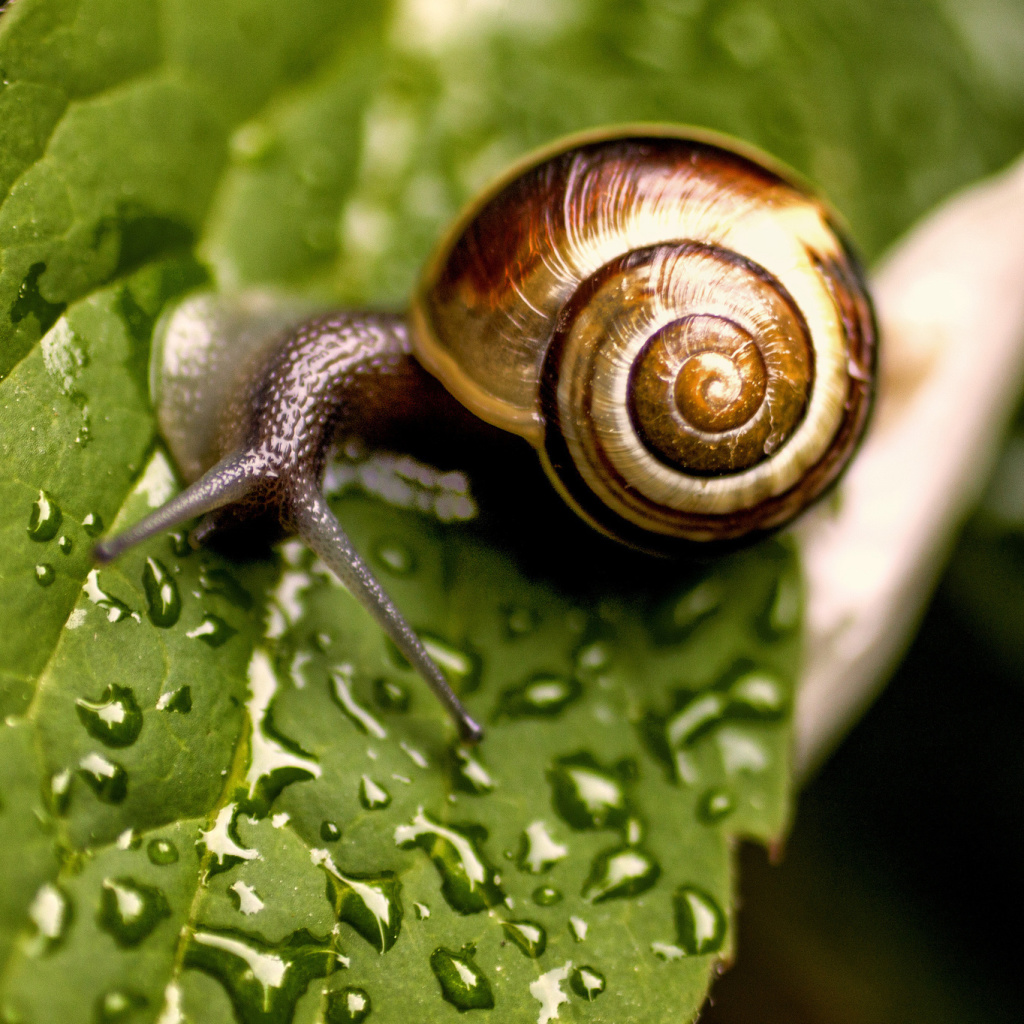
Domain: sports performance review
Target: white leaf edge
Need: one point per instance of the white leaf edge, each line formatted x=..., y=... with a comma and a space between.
x=950, y=301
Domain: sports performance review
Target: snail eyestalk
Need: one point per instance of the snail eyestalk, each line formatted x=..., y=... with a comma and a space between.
x=227, y=482
x=319, y=528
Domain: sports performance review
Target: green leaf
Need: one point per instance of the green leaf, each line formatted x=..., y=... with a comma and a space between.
x=221, y=793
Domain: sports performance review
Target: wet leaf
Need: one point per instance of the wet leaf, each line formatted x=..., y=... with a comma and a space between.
x=199, y=821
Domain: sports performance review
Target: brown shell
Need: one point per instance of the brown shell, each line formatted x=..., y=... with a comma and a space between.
x=670, y=318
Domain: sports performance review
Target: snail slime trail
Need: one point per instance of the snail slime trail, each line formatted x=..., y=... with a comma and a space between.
x=670, y=319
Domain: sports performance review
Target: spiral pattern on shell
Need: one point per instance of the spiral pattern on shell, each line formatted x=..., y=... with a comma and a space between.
x=678, y=327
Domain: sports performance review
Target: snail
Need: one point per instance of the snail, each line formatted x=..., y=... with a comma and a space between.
x=672, y=320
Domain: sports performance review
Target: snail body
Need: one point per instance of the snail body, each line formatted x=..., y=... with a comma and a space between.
x=673, y=322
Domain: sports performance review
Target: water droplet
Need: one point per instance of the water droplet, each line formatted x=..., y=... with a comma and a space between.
x=715, y=805
x=757, y=694
x=341, y=678
x=521, y=621
x=682, y=616
x=462, y=983
x=529, y=936
x=162, y=598
x=697, y=717
x=422, y=911
x=177, y=541
x=45, y=518
x=66, y=545
x=700, y=923
x=51, y=912
x=118, y=1006
x=372, y=796
x=115, y=719
x=371, y=905
x=221, y=582
x=547, y=990
x=273, y=761
x=347, y=1006
x=115, y=608
x=213, y=631
x=45, y=574
x=162, y=852
x=546, y=896
x=578, y=928
x=245, y=898
x=263, y=981
x=782, y=615
x=396, y=556
x=468, y=774
x=587, y=795
x=587, y=982
x=542, y=695
x=179, y=700
x=329, y=832
x=221, y=841
x=129, y=910
x=538, y=851
x=107, y=779
x=593, y=657
x=390, y=696
x=616, y=874
x=60, y=790
x=460, y=667
x=468, y=882
x=92, y=524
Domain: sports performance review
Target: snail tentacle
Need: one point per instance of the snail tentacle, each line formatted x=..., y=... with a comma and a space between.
x=317, y=525
x=225, y=484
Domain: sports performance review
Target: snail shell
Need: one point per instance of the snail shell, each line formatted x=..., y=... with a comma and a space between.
x=674, y=322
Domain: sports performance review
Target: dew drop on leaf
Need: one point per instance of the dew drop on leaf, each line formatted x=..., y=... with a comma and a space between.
x=587, y=983
x=715, y=805
x=395, y=556
x=700, y=922
x=161, y=851
x=115, y=608
x=521, y=621
x=163, y=602
x=347, y=1006
x=66, y=545
x=264, y=981
x=179, y=700
x=51, y=912
x=529, y=936
x=45, y=574
x=92, y=523
x=462, y=983
x=468, y=881
x=119, y=1005
x=129, y=910
x=371, y=905
x=619, y=873
x=538, y=851
x=546, y=896
x=468, y=775
x=542, y=696
x=107, y=779
x=683, y=614
x=586, y=795
x=213, y=631
x=756, y=694
x=390, y=696
x=222, y=583
x=372, y=796
x=578, y=928
x=329, y=832
x=115, y=719
x=44, y=518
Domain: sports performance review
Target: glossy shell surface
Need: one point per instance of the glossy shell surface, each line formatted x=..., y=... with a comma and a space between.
x=672, y=320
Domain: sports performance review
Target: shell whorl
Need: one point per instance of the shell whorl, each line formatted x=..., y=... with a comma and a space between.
x=677, y=327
